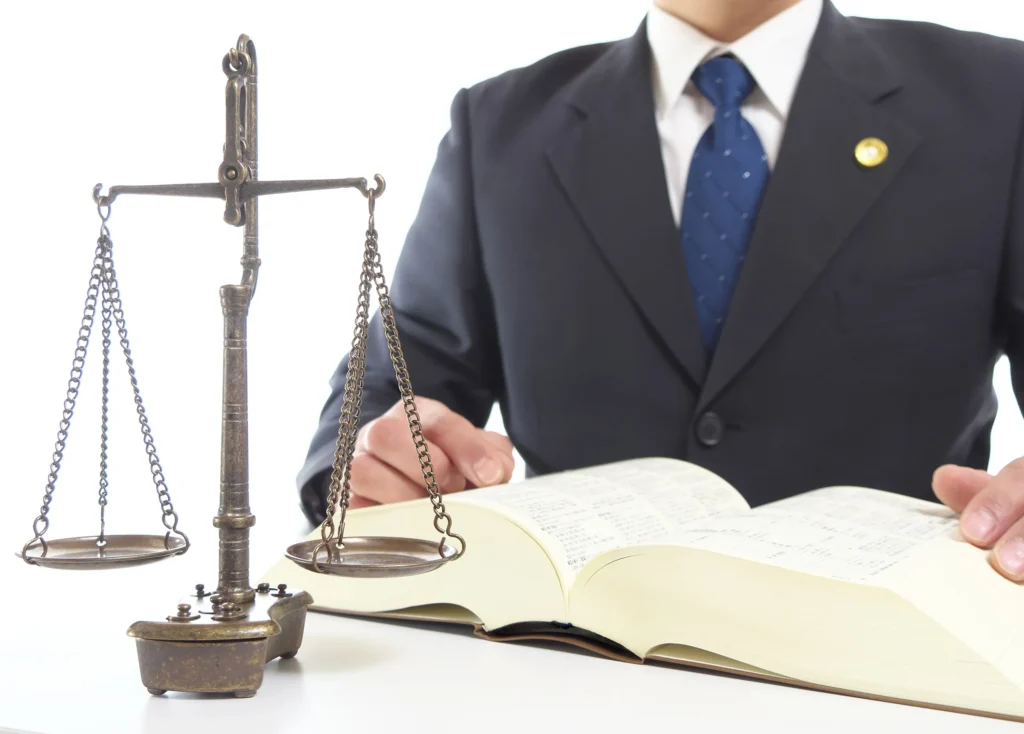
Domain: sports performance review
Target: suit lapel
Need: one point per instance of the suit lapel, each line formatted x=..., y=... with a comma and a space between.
x=609, y=165
x=818, y=192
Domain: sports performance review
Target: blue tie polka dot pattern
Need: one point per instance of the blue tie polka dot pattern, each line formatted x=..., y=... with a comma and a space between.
x=726, y=182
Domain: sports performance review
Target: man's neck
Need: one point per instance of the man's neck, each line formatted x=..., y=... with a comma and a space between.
x=725, y=20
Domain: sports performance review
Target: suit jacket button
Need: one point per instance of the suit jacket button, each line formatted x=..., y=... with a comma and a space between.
x=710, y=429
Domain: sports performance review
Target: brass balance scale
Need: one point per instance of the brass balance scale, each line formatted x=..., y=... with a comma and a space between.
x=220, y=641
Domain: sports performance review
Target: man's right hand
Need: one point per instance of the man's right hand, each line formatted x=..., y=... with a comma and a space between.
x=385, y=467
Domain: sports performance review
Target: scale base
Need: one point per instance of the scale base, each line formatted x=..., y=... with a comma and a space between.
x=205, y=649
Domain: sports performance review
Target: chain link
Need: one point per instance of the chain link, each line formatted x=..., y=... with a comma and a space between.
x=106, y=316
x=340, y=488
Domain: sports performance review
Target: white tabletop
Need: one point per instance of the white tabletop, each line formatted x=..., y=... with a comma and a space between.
x=66, y=665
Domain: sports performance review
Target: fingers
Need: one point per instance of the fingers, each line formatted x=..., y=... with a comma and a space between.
x=999, y=505
x=386, y=467
x=504, y=446
x=479, y=456
x=388, y=439
x=956, y=486
x=357, y=502
x=1008, y=555
x=499, y=441
x=992, y=511
x=374, y=482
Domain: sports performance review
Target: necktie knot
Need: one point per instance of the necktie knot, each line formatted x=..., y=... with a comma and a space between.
x=724, y=81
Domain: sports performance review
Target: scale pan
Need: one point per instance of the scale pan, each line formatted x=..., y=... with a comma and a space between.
x=373, y=557
x=119, y=550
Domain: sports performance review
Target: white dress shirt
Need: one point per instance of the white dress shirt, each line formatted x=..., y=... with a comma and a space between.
x=774, y=53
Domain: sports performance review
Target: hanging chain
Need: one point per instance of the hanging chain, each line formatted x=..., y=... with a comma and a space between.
x=340, y=487
x=42, y=522
x=102, y=285
x=104, y=404
x=169, y=516
x=405, y=389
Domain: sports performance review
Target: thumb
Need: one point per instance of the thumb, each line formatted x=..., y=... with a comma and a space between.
x=955, y=486
x=478, y=456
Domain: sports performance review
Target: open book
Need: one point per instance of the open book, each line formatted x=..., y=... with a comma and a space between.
x=846, y=589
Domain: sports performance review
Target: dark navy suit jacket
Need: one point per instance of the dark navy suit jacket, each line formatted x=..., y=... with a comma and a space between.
x=544, y=271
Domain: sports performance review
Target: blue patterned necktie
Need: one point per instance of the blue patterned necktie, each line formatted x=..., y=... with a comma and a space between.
x=727, y=178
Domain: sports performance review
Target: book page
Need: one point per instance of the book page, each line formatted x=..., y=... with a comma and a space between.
x=504, y=578
x=577, y=515
x=845, y=533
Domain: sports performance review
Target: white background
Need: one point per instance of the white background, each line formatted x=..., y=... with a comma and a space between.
x=132, y=93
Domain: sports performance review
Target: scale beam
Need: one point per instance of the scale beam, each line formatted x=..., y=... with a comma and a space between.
x=247, y=191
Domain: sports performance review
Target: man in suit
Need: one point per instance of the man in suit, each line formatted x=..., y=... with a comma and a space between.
x=760, y=236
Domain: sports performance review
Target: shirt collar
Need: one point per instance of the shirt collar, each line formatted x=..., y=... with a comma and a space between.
x=774, y=53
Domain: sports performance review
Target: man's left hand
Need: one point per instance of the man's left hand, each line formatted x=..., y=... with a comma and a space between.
x=991, y=511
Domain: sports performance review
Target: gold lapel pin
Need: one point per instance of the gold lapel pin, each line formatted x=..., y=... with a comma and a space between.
x=871, y=152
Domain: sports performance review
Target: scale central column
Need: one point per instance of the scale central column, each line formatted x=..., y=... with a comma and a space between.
x=234, y=517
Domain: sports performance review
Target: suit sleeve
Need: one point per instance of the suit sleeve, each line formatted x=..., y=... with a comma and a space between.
x=1011, y=302
x=442, y=309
